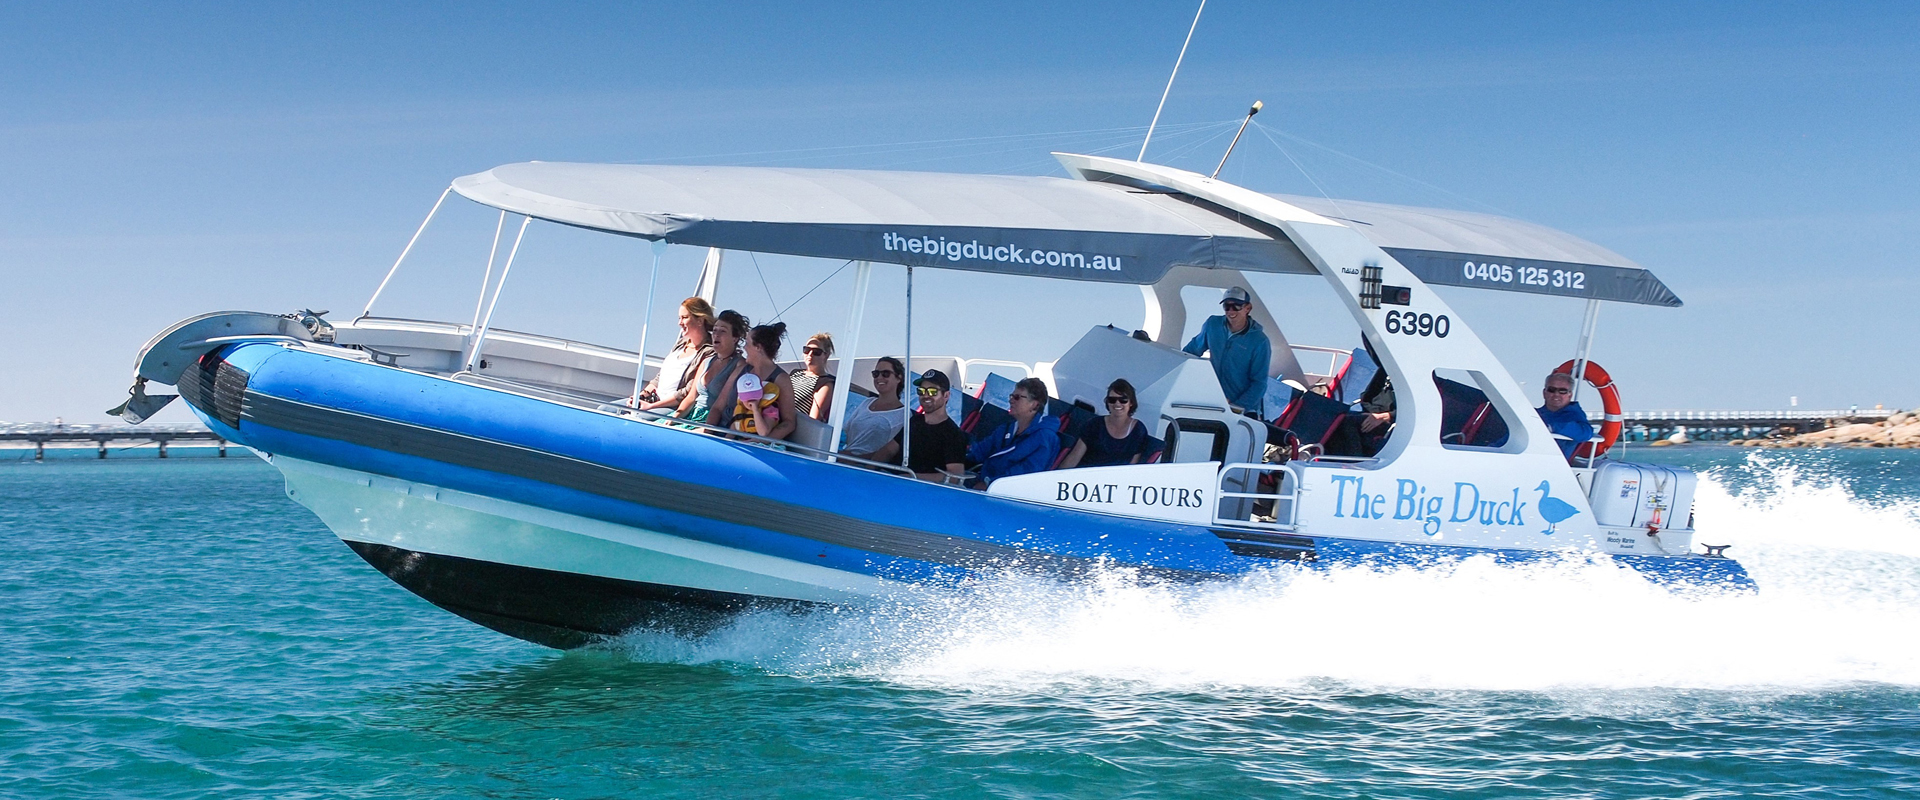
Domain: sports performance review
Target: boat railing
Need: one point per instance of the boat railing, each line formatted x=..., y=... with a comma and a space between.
x=794, y=448
x=1270, y=503
x=603, y=406
x=967, y=365
x=564, y=395
x=1335, y=358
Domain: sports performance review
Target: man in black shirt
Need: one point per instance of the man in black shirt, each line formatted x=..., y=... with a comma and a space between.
x=938, y=444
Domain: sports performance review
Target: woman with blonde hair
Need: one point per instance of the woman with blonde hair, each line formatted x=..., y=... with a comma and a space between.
x=813, y=386
x=677, y=369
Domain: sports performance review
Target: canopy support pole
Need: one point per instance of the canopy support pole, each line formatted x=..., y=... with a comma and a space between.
x=1585, y=347
x=403, y=253
x=710, y=275
x=480, y=338
x=646, y=316
x=862, y=276
x=913, y=392
x=486, y=278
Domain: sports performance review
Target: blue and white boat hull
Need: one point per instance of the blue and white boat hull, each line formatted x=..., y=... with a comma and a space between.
x=558, y=524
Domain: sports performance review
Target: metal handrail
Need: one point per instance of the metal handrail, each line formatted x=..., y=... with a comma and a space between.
x=1333, y=362
x=1288, y=492
x=668, y=420
x=968, y=364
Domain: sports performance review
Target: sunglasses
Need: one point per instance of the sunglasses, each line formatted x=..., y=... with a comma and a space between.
x=1233, y=306
x=1114, y=401
x=883, y=373
x=810, y=350
x=1555, y=390
x=1013, y=397
x=929, y=391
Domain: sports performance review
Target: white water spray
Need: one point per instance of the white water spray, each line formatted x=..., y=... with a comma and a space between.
x=1839, y=601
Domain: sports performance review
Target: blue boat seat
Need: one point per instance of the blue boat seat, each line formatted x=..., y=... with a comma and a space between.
x=1312, y=418
x=1067, y=441
x=1352, y=379
x=1467, y=416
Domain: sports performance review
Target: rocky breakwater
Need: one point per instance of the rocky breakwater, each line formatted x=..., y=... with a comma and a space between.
x=1902, y=429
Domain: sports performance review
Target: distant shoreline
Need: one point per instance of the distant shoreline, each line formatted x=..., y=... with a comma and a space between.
x=1902, y=430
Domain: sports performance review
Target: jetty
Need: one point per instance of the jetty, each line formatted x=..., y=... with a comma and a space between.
x=1728, y=425
x=1641, y=426
x=108, y=436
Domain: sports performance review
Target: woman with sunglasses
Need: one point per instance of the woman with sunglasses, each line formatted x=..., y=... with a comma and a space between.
x=873, y=424
x=1114, y=439
x=813, y=386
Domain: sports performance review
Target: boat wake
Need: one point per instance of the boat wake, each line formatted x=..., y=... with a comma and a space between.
x=1840, y=591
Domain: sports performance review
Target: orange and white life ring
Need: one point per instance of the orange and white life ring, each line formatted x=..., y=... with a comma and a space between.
x=1610, y=404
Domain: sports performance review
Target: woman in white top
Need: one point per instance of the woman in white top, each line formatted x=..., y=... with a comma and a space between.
x=672, y=381
x=873, y=424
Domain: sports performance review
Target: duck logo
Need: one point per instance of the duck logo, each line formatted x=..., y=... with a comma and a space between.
x=1553, y=509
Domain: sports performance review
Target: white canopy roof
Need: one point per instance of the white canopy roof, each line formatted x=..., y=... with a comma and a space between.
x=1050, y=227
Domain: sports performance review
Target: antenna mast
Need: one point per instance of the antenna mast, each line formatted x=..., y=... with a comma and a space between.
x=1236, y=137
x=1169, y=89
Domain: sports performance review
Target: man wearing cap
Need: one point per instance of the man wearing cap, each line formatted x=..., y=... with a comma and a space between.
x=938, y=444
x=1239, y=349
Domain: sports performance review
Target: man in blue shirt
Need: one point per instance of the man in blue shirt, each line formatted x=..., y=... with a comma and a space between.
x=1239, y=349
x=1563, y=416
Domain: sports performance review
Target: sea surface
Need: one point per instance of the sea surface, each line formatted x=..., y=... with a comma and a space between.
x=181, y=629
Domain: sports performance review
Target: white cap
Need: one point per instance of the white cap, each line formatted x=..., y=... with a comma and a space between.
x=749, y=386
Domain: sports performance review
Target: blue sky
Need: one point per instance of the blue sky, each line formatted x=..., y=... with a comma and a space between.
x=164, y=161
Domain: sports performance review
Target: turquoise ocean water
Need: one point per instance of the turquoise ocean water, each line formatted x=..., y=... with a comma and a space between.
x=182, y=629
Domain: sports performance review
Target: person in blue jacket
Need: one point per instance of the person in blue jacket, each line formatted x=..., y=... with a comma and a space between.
x=1239, y=349
x=1029, y=443
x=1563, y=416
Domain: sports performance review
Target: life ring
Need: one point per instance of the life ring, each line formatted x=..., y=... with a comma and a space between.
x=1614, y=421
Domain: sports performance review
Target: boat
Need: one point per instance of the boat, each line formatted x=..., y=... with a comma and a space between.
x=496, y=473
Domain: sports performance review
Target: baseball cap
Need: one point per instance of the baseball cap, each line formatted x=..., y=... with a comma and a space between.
x=934, y=377
x=748, y=387
x=1236, y=295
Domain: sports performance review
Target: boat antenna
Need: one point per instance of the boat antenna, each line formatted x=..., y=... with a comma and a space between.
x=1236, y=137
x=1176, y=74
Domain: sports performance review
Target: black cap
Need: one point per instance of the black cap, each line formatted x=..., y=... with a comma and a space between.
x=935, y=377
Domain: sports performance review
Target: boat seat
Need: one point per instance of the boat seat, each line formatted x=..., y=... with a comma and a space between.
x=1312, y=418
x=1485, y=428
x=1467, y=417
x=810, y=432
x=984, y=420
x=1067, y=441
x=1352, y=379
x=982, y=413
